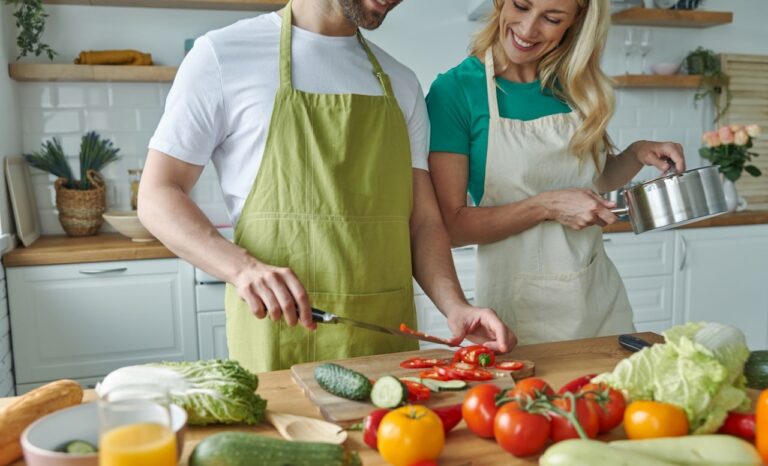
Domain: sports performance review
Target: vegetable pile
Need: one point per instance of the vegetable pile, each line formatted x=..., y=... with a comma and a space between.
x=211, y=391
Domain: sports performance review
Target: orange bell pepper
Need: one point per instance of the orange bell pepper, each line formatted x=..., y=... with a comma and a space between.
x=761, y=427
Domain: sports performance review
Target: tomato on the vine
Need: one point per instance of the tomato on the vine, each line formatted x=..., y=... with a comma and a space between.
x=520, y=432
x=652, y=419
x=410, y=434
x=586, y=415
x=611, y=413
x=530, y=387
x=479, y=409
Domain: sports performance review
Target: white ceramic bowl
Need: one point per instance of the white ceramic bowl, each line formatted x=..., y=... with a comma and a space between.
x=127, y=224
x=665, y=68
x=40, y=440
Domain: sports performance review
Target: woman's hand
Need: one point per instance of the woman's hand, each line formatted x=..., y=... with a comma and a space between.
x=578, y=208
x=659, y=154
x=480, y=325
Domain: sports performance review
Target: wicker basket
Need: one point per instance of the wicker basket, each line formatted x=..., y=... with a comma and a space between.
x=80, y=210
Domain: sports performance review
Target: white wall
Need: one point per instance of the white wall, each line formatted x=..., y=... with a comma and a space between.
x=430, y=36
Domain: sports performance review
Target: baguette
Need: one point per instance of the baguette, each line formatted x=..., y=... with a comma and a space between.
x=29, y=407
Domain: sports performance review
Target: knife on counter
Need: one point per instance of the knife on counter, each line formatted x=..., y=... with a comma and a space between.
x=632, y=342
x=323, y=317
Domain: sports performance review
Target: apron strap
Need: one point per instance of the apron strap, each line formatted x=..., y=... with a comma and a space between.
x=490, y=80
x=383, y=78
x=285, y=47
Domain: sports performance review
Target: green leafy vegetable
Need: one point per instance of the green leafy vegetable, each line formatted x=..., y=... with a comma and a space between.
x=699, y=368
x=211, y=391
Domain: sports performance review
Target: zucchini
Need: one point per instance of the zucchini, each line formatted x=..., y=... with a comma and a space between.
x=389, y=392
x=704, y=450
x=756, y=370
x=343, y=382
x=584, y=452
x=439, y=385
x=245, y=449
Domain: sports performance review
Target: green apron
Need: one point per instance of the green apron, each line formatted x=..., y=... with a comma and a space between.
x=332, y=201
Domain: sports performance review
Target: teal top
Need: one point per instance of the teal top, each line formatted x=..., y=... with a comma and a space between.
x=458, y=113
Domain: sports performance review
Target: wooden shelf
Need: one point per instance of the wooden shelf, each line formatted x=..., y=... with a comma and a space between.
x=659, y=81
x=671, y=18
x=246, y=5
x=62, y=72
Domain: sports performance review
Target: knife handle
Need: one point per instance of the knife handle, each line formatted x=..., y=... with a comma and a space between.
x=321, y=316
x=632, y=343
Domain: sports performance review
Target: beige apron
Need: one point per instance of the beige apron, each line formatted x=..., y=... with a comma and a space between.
x=549, y=282
x=332, y=201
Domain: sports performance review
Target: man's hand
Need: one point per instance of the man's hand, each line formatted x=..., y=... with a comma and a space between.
x=275, y=292
x=482, y=326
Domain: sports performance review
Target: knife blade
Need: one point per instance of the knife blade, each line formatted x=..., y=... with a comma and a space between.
x=324, y=317
x=632, y=342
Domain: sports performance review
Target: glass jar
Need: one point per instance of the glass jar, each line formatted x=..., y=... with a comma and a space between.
x=134, y=175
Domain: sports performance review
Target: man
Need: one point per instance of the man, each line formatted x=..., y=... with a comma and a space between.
x=325, y=181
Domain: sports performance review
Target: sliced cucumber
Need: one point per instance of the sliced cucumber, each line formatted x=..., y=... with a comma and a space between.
x=389, y=392
x=78, y=447
x=439, y=385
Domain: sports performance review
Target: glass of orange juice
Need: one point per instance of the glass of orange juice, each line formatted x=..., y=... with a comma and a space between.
x=135, y=427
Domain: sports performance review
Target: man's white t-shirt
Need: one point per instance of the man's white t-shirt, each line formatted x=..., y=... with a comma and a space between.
x=220, y=104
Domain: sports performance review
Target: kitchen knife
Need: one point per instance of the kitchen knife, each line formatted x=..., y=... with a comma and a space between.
x=324, y=317
x=632, y=342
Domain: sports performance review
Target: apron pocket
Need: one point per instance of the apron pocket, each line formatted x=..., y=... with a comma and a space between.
x=386, y=308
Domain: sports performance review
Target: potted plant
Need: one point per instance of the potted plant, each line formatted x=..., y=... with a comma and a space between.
x=729, y=149
x=705, y=62
x=80, y=202
x=30, y=19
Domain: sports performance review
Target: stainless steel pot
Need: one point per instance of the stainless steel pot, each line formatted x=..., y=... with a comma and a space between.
x=674, y=200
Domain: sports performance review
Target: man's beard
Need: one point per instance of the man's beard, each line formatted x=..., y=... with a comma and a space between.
x=356, y=13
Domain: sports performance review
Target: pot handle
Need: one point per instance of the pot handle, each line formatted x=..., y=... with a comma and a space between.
x=620, y=211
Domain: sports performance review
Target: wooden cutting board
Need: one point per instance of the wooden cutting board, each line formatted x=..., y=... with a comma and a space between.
x=336, y=409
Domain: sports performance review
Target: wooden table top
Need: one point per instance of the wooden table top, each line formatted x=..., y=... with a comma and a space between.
x=555, y=362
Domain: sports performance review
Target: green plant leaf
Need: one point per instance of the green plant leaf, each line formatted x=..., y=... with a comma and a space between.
x=732, y=174
x=95, y=154
x=51, y=159
x=30, y=20
x=753, y=170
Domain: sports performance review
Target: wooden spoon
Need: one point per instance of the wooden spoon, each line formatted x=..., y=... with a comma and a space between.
x=306, y=429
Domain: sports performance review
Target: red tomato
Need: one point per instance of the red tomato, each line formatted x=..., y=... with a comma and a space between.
x=479, y=409
x=475, y=354
x=520, y=432
x=611, y=411
x=531, y=387
x=586, y=415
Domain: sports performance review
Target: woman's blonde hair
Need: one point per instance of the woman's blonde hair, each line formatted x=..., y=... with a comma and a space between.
x=571, y=71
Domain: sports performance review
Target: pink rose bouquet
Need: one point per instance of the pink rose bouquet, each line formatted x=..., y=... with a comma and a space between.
x=729, y=148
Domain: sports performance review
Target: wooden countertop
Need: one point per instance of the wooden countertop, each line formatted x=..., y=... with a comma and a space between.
x=49, y=250
x=555, y=362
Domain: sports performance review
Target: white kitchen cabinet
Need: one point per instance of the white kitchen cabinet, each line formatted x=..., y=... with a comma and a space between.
x=84, y=320
x=212, y=335
x=721, y=277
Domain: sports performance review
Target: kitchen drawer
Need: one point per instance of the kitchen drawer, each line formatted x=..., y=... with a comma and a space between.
x=86, y=383
x=210, y=296
x=70, y=324
x=212, y=334
x=651, y=297
x=641, y=255
x=464, y=259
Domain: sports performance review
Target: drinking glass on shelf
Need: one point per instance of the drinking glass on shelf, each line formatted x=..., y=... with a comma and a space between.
x=645, y=46
x=135, y=427
x=630, y=46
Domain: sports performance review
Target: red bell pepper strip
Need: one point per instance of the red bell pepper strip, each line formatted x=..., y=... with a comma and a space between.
x=432, y=374
x=739, y=425
x=422, y=363
x=416, y=391
x=478, y=355
x=509, y=365
x=575, y=385
x=450, y=415
x=371, y=426
x=464, y=371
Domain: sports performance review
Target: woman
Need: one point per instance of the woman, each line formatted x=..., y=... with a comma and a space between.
x=521, y=125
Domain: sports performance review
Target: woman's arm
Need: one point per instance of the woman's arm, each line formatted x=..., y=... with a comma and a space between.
x=620, y=169
x=574, y=208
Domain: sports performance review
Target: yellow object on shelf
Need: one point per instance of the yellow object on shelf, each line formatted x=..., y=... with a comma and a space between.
x=114, y=57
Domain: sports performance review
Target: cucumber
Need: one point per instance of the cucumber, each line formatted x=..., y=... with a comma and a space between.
x=389, y=392
x=78, y=447
x=343, y=382
x=244, y=449
x=699, y=450
x=439, y=385
x=756, y=370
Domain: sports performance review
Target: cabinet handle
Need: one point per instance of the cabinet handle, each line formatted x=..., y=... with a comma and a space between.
x=102, y=271
x=606, y=240
x=685, y=252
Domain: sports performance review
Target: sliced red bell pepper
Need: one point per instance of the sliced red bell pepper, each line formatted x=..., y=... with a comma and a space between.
x=475, y=354
x=739, y=425
x=433, y=374
x=422, y=363
x=575, y=385
x=450, y=415
x=509, y=365
x=464, y=371
x=416, y=391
